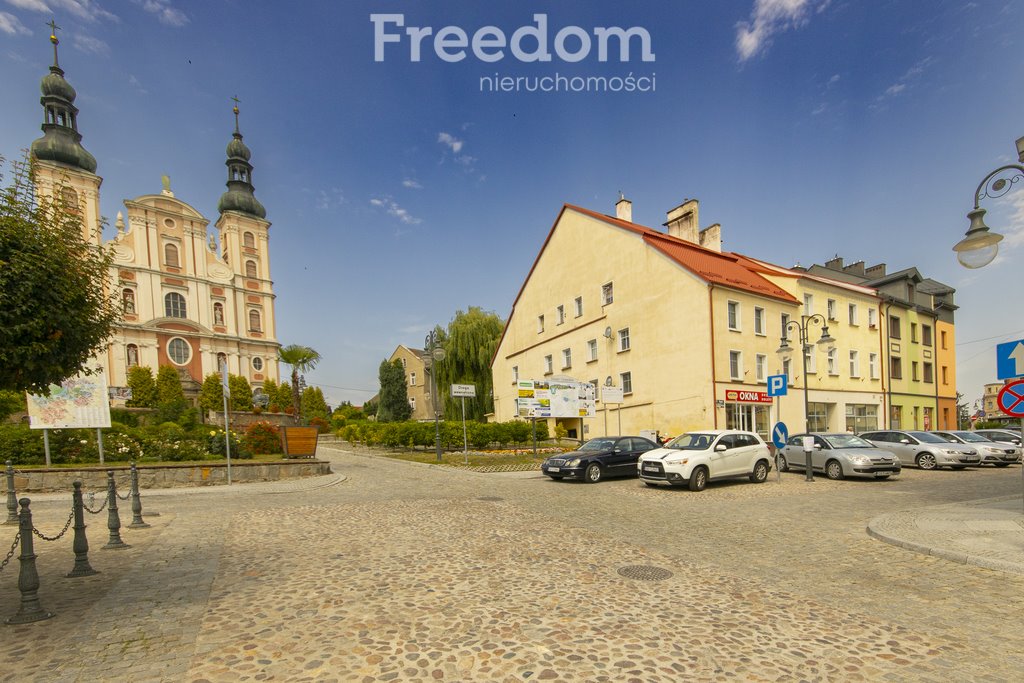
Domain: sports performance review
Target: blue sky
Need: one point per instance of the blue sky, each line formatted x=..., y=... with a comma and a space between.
x=400, y=193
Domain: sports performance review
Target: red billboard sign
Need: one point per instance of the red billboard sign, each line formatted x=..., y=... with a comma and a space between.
x=747, y=396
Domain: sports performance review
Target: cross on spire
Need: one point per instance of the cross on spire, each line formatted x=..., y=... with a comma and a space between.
x=53, y=38
x=235, y=110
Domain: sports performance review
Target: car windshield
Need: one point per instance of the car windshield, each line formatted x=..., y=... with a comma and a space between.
x=691, y=442
x=846, y=441
x=928, y=437
x=598, y=445
x=970, y=436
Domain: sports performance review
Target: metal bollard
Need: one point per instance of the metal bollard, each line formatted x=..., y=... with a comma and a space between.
x=12, y=498
x=137, y=521
x=28, y=579
x=81, y=543
x=113, y=519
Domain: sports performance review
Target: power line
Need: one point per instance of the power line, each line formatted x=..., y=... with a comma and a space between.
x=998, y=336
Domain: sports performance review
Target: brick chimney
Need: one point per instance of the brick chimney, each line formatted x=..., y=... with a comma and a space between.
x=711, y=237
x=835, y=263
x=875, y=271
x=855, y=268
x=624, y=209
x=683, y=221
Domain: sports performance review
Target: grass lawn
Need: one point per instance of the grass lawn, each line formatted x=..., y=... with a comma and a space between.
x=518, y=458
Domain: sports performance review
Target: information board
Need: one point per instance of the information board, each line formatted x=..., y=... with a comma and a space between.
x=538, y=398
x=76, y=403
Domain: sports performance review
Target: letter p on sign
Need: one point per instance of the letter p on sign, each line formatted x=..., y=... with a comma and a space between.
x=777, y=385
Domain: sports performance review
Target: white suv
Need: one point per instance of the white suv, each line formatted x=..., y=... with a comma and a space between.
x=695, y=458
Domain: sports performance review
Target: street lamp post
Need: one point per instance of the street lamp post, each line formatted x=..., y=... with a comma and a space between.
x=436, y=355
x=979, y=247
x=786, y=350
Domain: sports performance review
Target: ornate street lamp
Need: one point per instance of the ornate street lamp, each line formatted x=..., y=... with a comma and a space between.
x=435, y=355
x=785, y=351
x=980, y=246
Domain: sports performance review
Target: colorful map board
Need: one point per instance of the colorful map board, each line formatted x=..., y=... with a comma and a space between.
x=77, y=403
x=556, y=399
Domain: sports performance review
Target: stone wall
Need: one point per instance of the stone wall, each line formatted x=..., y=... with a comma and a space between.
x=168, y=476
x=239, y=420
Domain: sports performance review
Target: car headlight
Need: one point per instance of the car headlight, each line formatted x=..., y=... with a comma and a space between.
x=951, y=451
x=681, y=461
x=574, y=462
x=989, y=449
x=860, y=460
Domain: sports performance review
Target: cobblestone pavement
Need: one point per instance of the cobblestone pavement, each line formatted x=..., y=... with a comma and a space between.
x=408, y=572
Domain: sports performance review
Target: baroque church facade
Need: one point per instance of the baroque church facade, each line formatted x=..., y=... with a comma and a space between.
x=192, y=298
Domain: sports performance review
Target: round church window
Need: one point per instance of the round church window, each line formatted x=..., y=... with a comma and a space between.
x=179, y=351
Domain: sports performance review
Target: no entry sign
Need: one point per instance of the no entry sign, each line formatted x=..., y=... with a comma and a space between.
x=1011, y=399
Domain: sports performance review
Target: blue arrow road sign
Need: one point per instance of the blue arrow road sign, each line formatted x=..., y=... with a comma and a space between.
x=777, y=384
x=780, y=434
x=1010, y=359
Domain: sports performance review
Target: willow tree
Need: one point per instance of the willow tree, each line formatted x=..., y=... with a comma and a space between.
x=469, y=343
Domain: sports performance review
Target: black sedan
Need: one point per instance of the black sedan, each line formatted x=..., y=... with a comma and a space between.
x=606, y=456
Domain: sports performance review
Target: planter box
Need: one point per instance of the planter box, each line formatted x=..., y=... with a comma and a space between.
x=299, y=442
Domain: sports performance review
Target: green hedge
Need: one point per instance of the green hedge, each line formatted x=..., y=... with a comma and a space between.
x=412, y=434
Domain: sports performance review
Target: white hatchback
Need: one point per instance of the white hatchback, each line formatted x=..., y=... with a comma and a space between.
x=695, y=458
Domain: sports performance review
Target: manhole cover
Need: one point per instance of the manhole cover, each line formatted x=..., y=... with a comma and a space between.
x=490, y=499
x=645, y=572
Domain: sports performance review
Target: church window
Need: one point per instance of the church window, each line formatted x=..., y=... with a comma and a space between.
x=132, y=355
x=218, y=313
x=128, y=300
x=70, y=199
x=249, y=240
x=250, y=269
x=257, y=364
x=254, y=321
x=179, y=350
x=174, y=306
x=171, y=255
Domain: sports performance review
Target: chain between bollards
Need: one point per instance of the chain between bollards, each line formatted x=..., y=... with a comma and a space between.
x=113, y=519
x=12, y=498
x=81, y=543
x=137, y=521
x=28, y=579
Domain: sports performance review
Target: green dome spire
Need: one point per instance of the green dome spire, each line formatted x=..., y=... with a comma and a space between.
x=61, y=141
x=239, y=196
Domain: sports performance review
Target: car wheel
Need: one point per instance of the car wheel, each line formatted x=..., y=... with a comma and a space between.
x=926, y=461
x=1002, y=464
x=556, y=477
x=593, y=473
x=783, y=465
x=760, y=473
x=698, y=479
x=833, y=469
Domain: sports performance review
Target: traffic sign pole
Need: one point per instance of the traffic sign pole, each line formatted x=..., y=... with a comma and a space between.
x=1010, y=400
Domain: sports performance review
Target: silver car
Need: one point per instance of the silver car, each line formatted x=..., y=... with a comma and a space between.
x=992, y=453
x=924, y=449
x=1001, y=436
x=839, y=455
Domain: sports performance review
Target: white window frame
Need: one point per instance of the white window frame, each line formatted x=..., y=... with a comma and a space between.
x=566, y=359
x=832, y=361
x=412, y=379
x=540, y=324
x=832, y=309
x=853, y=315
x=812, y=359
x=760, y=363
x=559, y=314
x=549, y=365
x=854, y=363
x=412, y=403
x=808, y=304
x=873, y=365
x=592, y=350
x=759, y=318
x=626, y=382
x=607, y=293
x=624, y=342
x=579, y=306
x=732, y=315
x=872, y=318
x=736, y=365
x=515, y=374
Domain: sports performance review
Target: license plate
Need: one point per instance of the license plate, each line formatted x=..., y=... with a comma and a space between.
x=650, y=468
x=554, y=469
x=881, y=474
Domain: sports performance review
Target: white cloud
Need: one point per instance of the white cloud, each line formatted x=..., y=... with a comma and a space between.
x=10, y=25
x=832, y=81
x=903, y=82
x=412, y=184
x=395, y=210
x=165, y=13
x=329, y=199
x=895, y=89
x=820, y=109
x=32, y=5
x=91, y=45
x=769, y=17
x=83, y=9
x=450, y=141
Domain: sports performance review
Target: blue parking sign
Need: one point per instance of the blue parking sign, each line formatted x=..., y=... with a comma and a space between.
x=777, y=385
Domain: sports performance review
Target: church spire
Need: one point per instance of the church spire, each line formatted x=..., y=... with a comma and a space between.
x=61, y=141
x=239, y=196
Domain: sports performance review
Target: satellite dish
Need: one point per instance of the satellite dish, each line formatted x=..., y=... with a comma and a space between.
x=608, y=333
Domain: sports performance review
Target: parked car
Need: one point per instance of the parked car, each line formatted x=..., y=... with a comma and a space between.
x=992, y=453
x=1001, y=436
x=606, y=456
x=695, y=458
x=838, y=456
x=924, y=449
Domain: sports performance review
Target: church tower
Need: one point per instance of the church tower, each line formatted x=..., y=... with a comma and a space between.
x=61, y=163
x=244, y=238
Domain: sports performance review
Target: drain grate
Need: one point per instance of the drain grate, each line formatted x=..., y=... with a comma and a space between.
x=645, y=572
x=491, y=499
